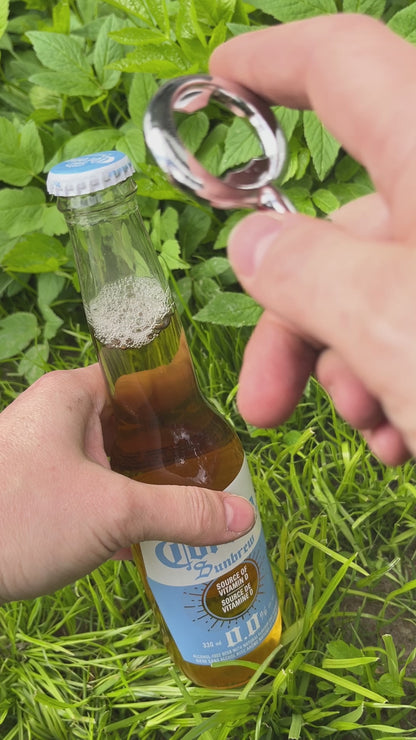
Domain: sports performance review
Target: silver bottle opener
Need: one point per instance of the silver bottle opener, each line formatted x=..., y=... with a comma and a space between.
x=246, y=187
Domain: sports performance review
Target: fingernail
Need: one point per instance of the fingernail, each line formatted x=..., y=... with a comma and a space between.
x=239, y=514
x=251, y=239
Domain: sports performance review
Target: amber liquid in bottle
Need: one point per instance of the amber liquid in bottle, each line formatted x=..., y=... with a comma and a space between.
x=165, y=432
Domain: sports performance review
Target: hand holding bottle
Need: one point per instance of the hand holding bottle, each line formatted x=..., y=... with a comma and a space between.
x=339, y=297
x=163, y=430
x=64, y=512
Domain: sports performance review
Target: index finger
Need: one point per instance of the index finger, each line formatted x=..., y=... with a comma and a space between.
x=359, y=78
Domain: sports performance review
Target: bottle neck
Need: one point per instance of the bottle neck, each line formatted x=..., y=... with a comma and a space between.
x=110, y=242
x=105, y=204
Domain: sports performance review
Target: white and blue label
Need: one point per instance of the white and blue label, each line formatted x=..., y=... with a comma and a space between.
x=219, y=602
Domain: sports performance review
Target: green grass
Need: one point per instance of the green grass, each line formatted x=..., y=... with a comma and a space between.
x=88, y=661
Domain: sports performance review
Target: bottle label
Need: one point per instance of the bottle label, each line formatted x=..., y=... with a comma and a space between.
x=219, y=602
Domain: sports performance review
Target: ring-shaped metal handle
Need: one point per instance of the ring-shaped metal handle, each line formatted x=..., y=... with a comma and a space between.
x=246, y=187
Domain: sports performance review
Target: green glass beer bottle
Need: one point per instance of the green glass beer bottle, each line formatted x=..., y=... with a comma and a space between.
x=215, y=603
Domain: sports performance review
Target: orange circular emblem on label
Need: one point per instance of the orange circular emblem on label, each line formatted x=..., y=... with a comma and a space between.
x=233, y=593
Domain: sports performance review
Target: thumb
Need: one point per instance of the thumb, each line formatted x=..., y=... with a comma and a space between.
x=333, y=289
x=132, y=512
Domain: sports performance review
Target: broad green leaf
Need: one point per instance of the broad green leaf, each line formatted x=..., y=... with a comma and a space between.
x=205, y=289
x=132, y=144
x=241, y=145
x=18, y=284
x=196, y=54
x=60, y=52
x=347, y=191
x=230, y=309
x=164, y=226
x=288, y=118
x=21, y=23
x=48, y=100
x=184, y=292
x=155, y=185
x=142, y=89
x=325, y=200
x=34, y=362
x=31, y=146
x=302, y=161
x=52, y=322
x=26, y=61
x=211, y=151
x=165, y=60
x=404, y=23
x=6, y=244
x=21, y=210
x=212, y=13
x=211, y=158
x=301, y=199
x=154, y=230
x=346, y=168
x=170, y=253
x=292, y=160
x=294, y=10
x=35, y=252
x=188, y=23
x=169, y=222
x=136, y=8
x=4, y=13
x=61, y=15
x=21, y=153
x=16, y=100
x=236, y=29
x=193, y=130
x=66, y=83
x=369, y=7
x=218, y=36
x=106, y=51
x=298, y=159
x=390, y=687
x=87, y=142
x=70, y=73
x=6, y=282
x=53, y=222
x=133, y=36
x=343, y=650
x=49, y=287
x=159, y=190
x=223, y=234
x=322, y=145
x=16, y=332
x=154, y=13
x=194, y=225
x=211, y=267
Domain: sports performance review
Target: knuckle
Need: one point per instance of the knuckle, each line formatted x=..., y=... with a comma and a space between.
x=62, y=381
x=205, y=512
x=51, y=378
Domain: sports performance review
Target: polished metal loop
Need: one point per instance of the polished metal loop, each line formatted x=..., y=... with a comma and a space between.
x=245, y=187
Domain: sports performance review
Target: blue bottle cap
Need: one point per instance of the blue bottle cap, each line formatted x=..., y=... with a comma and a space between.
x=87, y=174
